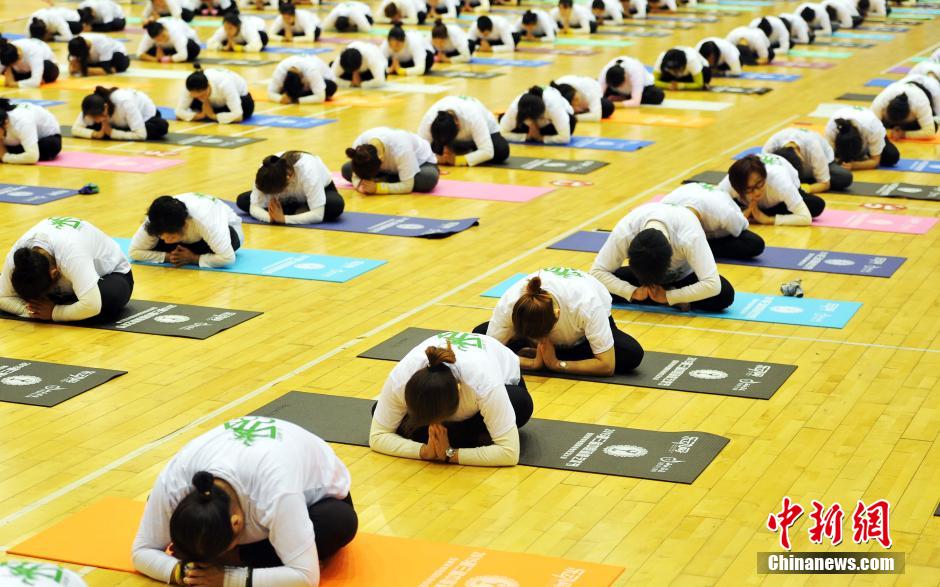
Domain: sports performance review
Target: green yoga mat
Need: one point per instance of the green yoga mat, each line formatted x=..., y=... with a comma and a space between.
x=821, y=54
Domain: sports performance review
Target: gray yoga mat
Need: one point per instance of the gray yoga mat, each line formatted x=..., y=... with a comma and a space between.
x=857, y=97
x=161, y=318
x=911, y=191
x=844, y=44
x=677, y=457
x=738, y=90
x=36, y=383
x=751, y=379
x=571, y=166
x=463, y=74
x=191, y=140
x=937, y=513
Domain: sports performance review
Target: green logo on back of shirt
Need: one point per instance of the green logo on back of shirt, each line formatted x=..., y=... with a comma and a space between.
x=767, y=159
x=248, y=429
x=707, y=186
x=29, y=573
x=463, y=340
x=64, y=221
x=564, y=272
x=204, y=196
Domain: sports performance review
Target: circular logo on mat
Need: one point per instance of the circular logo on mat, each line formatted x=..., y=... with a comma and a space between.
x=171, y=318
x=21, y=380
x=625, y=450
x=889, y=207
x=571, y=183
x=310, y=266
x=879, y=222
x=839, y=262
x=786, y=309
x=708, y=374
x=408, y=226
x=491, y=581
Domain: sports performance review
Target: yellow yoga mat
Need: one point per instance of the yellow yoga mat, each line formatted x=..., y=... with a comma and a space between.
x=633, y=116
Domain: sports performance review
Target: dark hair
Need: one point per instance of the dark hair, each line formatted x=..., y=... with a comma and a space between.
x=899, y=108
x=615, y=75
x=709, y=50
x=439, y=30
x=232, y=19
x=786, y=21
x=863, y=7
x=197, y=80
x=848, y=144
x=166, y=215
x=443, y=130
x=533, y=314
x=86, y=15
x=94, y=104
x=365, y=161
x=831, y=11
x=649, y=256
x=201, y=525
x=530, y=17
x=484, y=24
x=531, y=105
x=791, y=157
x=741, y=170
x=38, y=29
x=674, y=59
x=350, y=59
x=153, y=29
x=342, y=23
x=764, y=25
x=746, y=53
x=271, y=177
x=566, y=3
x=78, y=48
x=396, y=33
x=567, y=91
x=8, y=52
x=5, y=106
x=286, y=8
x=31, y=279
x=598, y=5
x=293, y=85
x=391, y=10
x=808, y=14
x=431, y=393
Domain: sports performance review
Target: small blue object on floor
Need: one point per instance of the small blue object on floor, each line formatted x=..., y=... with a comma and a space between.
x=916, y=165
x=745, y=153
x=282, y=264
x=767, y=76
x=43, y=103
x=879, y=82
x=596, y=143
x=270, y=120
x=509, y=62
x=32, y=194
x=297, y=50
x=857, y=35
x=749, y=307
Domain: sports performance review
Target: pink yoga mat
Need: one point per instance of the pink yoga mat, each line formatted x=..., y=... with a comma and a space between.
x=472, y=190
x=802, y=64
x=98, y=162
x=875, y=221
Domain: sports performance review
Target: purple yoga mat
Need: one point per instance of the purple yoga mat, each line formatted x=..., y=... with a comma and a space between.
x=772, y=257
x=386, y=224
x=899, y=69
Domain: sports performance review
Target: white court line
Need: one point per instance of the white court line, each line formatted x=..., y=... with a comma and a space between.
x=66, y=489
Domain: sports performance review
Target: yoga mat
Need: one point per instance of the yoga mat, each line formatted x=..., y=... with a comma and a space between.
x=414, y=88
x=773, y=257
x=571, y=166
x=365, y=223
x=844, y=44
x=882, y=28
x=915, y=10
x=750, y=307
x=153, y=73
x=578, y=42
x=685, y=19
x=224, y=61
x=456, y=73
x=43, y=103
x=857, y=97
x=597, y=143
x=88, y=84
x=192, y=140
x=100, y=162
x=765, y=76
x=724, y=9
x=676, y=104
x=916, y=165
x=622, y=32
x=901, y=69
x=472, y=190
x=801, y=64
x=895, y=190
x=869, y=36
x=102, y=534
x=739, y=90
x=879, y=83
x=509, y=62
x=281, y=264
x=270, y=120
x=826, y=110
x=678, y=457
x=751, y=379
x=163, y=319
x=875, y=222
x=11, y=193
x=348, y=40
x=822, y=54
x=554, y=51
x=298, y=50
x=36, y=383
x=638, y=117
x=937, y=513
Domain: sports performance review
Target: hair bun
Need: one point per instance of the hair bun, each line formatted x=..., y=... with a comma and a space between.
x=534, y=286
x=197, y=66
x=270, y=160
x=203, y=481
x=22, y=255
x=437, y=356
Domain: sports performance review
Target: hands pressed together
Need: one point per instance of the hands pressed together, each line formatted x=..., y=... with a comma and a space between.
x=438, y=443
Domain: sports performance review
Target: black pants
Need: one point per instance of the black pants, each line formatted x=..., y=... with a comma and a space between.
x=75, y=26
x=248, y=107
x=425, y=181
x=49, y=147
x=264, y=39
x=500, y=148
x=839, y=177
x=330, y=90
x=118, y=64
x=112, y=26
x=889, y=155
x=746, y=245
x=687, y=79
x=627, y=351
x=335, y=524
x=199, y=247
x=651, y=95
x=115, y=290
x=187, y=15
x=815, y=204
x=192, y=50
x=547, y=130
x=280, y=32
x=156, y=126
x=50, y=73
x=428, y=62
x=607, y=108
x=332, y=209
x=857, y=20
x=716, y=303
x=363, y=76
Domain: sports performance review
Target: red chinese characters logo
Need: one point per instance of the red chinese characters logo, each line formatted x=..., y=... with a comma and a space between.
x=782, y=521
x=826, y=523
x=869, y=522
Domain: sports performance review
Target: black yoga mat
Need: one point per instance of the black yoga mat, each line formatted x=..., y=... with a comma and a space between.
x=191, y=140
x=937, y=513
x=857, y=97
x=678, y=457
x=36, y=383
x=912, y=191
x=161, y=318
x=571, y=166
x=738, y=90
x=751, y=379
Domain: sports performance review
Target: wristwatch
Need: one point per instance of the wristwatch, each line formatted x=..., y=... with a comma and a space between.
x=563, y=365
x=449, y=453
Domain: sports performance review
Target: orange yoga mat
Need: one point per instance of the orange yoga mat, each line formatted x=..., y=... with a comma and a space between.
x=102, y=534
x=633, y=116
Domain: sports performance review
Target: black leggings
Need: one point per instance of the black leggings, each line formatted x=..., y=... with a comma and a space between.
x=112, y=26
x=49, y=147
x=815, y=204
x=332, y=209
x=746, y=245
x=50, y=73
x=199, y=247
x=118, y=64
x=192, y=50
x=651, y=95
x=428, y=62
x=839, y=177
x=665, y=76
x=335, y=524
x=607, y=108
x=548, y=129
x=248, y=107
x=115, y=290
x=280, y=33
x=500, y=148
x=157, y=127
x=716, y=303
x=425, y=181
x=890, y=155
x=75, y=26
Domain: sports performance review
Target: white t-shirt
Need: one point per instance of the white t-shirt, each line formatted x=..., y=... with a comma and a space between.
x=584, y=307
x=474, y=123
x=719, y=214
x=407, y=11
x=356, y=12
x=501, y=33
x=307, y=185
x=26, y=124
x=921, y=108
x=57, y=21
x=779, y=33
x=590, y=90
x=799, y=29
x=927, y=68
x=782, y=187
x=820, y=21
x=313, y=72
x=276, y=468
x=613, y=11
x=20, y=573
x=132, y=108
x=372, y=61
x=248, y=35
x=180, y=34
x=415, y=49
x=579, y=20
x=545, y=26
x=306, y=24
x=83, y=255
x=557, y=112
x=753, y=38
x=105, y=10
x=815, y=151
x=729, y=54
x=638, y=7
x=457, y=40
x=932, y=85
x=690, y=252
x=694, y=62
x=172, y=8
x=636, y=77
x=34, y=54
x=102, y=47
x=843, y=11
x=209, y=220
x=868, y=125
x=226, y=89
x=404, y=152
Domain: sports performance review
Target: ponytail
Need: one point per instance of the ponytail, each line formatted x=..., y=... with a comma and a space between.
x=99, y=102
x=78, y=49
x=439, y=30
x=365, y=161
x=396, y=33
x=38, y=29
x=567, y=91
x=533, y=315
x=431, y=393
x=848, y=143
x=197, y=80
x=201, y=526
x=272, y=176
x=899, y=108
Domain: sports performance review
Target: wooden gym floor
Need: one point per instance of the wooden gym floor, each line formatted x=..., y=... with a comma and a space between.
x=859, y=419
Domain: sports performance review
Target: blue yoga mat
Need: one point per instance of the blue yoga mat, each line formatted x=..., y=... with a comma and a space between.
x=918, y=10
x=281, y=264
x=32, y=194
x=916, y=165
x=509, y=62
x=768, y=77
x=43, y=103
x=590, y=241
x=597, y=144
x=269, y=120
x=297, y=50
x=749, y=307
x=869, y=36
x=879, y=82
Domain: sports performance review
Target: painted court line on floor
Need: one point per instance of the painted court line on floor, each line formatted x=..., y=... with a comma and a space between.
x=589, y=223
